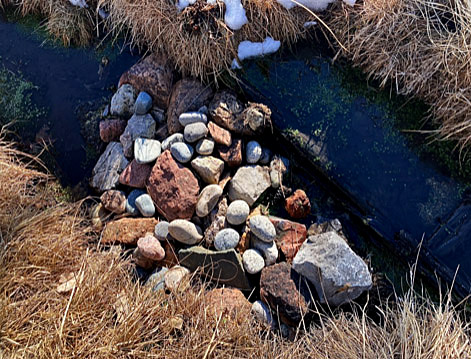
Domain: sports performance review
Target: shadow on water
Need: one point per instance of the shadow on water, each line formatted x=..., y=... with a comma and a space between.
x=70, y=82
x=353, y=134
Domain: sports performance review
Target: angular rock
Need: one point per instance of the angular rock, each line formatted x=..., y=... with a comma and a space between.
x=249, y=183
x=253, y=152
x=262, y=228
x=298, y=204
x=237, y=212
x=188, y=118
x=153, y=75
x=187, y=95
x=225, y=109
x=150, y=247
x=138, y=126
x=111, y=129
x=143, y=103
x=169, y=141
x=279, y=288
x=131, y=202
x=174, y=278
x=182, y=152
x=232, y=155
x=105, y=174
x=269, y=251
x=278, y=167
x=226, y=302
x=145, y=205
x=205, y=147
x=207, y=199
x=226, y=239
x=122, y=102
x=217, y=223
x=127, y=230
x=256, y=117
x=146, y=150
x=289, y=236
x=185, y=231
x=219, y=134
x=223, y=267
x=114, y=201
x=135, y=175
x=173, y=188
x=338, y=274
x=194, y=132
x=209, y=168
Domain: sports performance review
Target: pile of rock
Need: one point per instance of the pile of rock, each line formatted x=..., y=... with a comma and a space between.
x=179, y=153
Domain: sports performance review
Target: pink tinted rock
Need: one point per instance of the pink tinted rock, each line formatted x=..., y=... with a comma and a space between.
x=111, y=129
x=135, y=175
x=232, y=154
x=219, y=134
x=150, y=247
x=114, y=201
x=289, y=236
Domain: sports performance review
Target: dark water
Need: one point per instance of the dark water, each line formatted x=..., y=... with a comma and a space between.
x=354, y=134
x=67, y=78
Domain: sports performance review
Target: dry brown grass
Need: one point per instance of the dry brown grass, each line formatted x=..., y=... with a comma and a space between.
x=422, y=47
x=42, y=240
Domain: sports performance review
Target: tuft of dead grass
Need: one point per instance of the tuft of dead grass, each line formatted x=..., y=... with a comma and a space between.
x=421, y=47
x=106, y=314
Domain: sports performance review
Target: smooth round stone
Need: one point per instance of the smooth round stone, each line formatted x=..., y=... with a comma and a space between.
x=143, y=103
x=174, y=277
x=157, y=279
x=161, y=230
x=188, y=118
x=237, y=212
x=226, y=239
x=269, y=250
x=253, y=152
x=265, y=158
x=253, y=261
x=262, y=313
x=150, y=247
x=145, y=205
x=205, y=147
x=182, y=152
x=170, y=140
x=131, y=202
x=195, y=131
x=262, y=227
x=185, y=231
x=208, y=199
x=146, y=150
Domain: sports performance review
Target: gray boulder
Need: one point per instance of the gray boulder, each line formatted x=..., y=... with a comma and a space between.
x=138, y=126
x=122, y=102
x=105, y=174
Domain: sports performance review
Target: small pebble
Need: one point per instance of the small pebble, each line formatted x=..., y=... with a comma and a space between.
x=174, y=277
x=262, y=313
x=269, y=250
x=143, y=103
x=170, y=140
x=195, y=131
x=207, y=199
x=150, y=247
x=188, y=118
x=131, y=202
x=262, y=227
x=205, y=146
x=265, y=158
x=237, y=212
x=161, y=230
x=157, y=279
x=226, y=239
x=145, y=205
x=253, y=261
x=185, y=231
x=146, y=150
x=253, y=152
x=182, y=152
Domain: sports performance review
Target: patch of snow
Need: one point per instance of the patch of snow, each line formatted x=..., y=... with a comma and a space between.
x=181, y=4
x=211, y=2
x=287, y=3
x=248, y=49
x=103, y=14
x=79, y=3
x=316, y=5
x=235, y=16
x=235, y=65
x=310, y=24
x=349, y=2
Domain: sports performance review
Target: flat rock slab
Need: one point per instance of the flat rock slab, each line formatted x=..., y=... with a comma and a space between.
x=290, y=236
x=223, y=267
x=105, y=174
x=338, y=274
x=249, y=183
x=127, y=230
x=173, y=188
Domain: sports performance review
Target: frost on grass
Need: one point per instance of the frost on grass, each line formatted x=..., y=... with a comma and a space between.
x=316, y=5
x=249, y=49
x=235, y=16
x=79, y=3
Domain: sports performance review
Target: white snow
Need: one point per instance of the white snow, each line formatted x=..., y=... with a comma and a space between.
x=316, y=5
x=235, y=65
x=79, y=3
x=248, y=49
x=287, y=3
x=235, y=16
x=349, y=2
x=181, y=4
x=211, y=2
x=309, y=24
x=103, y=14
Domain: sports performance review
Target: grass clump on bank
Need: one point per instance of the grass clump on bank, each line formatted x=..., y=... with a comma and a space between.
x=108, y=314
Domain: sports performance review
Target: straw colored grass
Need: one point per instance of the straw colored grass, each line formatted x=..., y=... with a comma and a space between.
x=422, y=48
x=107, y=314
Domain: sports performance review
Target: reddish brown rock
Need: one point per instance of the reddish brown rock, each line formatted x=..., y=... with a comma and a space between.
x=227, y=302
x=150, y=247
x=114, y=201
x=153, y=75
x=225, y=109
x=278, y=288
x=219, y=134
x=110, y=130
x=187, y=95
x=141, y=260
x=298, y=205
x=135, y=175
x=289, y=236
x=232, y=155
x=127, y=230
x=173, y=188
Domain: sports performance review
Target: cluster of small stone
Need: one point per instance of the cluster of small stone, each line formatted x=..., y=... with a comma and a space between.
x=188, y=156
